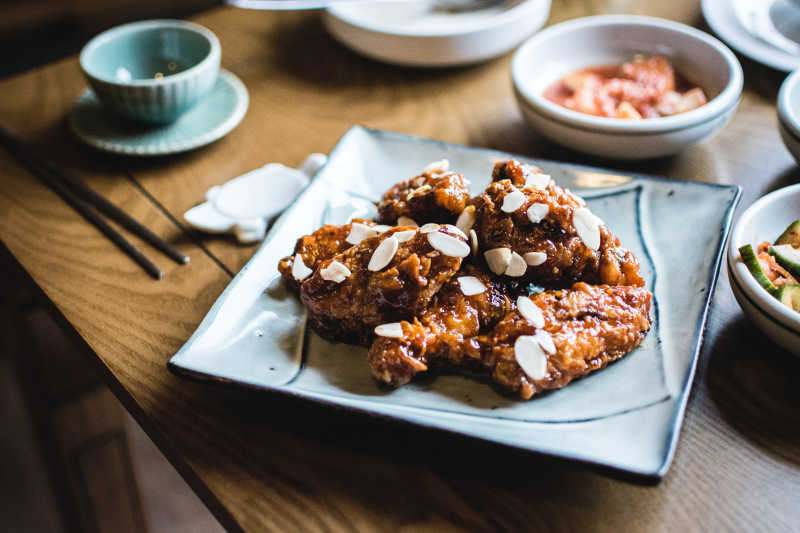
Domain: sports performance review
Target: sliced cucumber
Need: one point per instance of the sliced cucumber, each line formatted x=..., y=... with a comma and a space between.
x=752, y=264
x=789, y=295
x=791, y=235
x=787, y=256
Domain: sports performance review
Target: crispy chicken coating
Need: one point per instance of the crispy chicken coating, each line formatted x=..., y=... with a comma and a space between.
x=551, y=229
x=437, y=195
x=445, y=331
x=590, y=326
x=587, y=326
x=386, y=278
x=323, y=244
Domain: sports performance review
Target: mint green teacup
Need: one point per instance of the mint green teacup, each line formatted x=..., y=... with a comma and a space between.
x=153, y=70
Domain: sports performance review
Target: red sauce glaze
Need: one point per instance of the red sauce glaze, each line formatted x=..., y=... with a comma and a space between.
x=642, y=88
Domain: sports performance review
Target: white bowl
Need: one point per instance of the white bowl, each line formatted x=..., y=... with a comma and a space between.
x=587, y=42
x=763, y=221
x=789, y=113
x=412, y=34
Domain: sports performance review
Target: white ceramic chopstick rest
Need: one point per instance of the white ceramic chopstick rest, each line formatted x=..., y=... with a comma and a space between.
x=242, y=205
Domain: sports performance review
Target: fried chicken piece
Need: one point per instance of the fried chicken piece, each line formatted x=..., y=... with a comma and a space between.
x=323, y=244
x=437, y=195
x=581, y=329
x=386, y=278
x=543, y=233
x=585, y=328
x=444, y=331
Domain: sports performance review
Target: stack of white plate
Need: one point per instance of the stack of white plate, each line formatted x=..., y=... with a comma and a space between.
x=421, y=35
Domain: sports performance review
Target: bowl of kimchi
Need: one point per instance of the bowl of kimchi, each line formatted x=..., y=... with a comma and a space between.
x=626, y=87
x=764, y=221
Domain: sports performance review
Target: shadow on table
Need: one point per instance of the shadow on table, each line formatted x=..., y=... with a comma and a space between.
x=754, y=385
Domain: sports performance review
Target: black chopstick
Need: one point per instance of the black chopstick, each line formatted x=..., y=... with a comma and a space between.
x=93, y=198
x=80, y=205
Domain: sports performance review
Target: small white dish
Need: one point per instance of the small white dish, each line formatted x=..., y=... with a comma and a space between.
x=242, y=205
x=758, y=44
x=416, y=34
x=592, y=41
x=789, y=113
x=763, y=221
x=213, y=117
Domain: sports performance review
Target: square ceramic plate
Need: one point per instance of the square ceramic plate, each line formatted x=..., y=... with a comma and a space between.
x=625, y=417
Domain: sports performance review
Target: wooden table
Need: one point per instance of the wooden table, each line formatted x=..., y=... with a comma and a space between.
x=263, y=462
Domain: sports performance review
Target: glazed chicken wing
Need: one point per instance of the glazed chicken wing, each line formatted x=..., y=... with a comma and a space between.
x=323, y=244
x=470, y=303
x=544, y=343
x=574, y=332
x=543, y=233
x=436, y=195
x=384, y=278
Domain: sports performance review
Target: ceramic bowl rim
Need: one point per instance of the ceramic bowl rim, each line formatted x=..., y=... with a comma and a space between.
x=764, y=301
x=729, y=96
x=213, y=55
x=788, y=114
x=512, y=15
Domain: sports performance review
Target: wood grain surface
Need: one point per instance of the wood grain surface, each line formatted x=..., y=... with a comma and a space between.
x=262, y=462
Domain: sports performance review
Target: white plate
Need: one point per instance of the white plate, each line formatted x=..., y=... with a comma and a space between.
x=721, y=16
x=415, y=34
x=625, y=417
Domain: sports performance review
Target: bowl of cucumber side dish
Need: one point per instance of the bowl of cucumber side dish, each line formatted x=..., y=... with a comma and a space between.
x=764, y=265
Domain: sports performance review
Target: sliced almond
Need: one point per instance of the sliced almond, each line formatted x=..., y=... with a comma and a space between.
x=299, y=269
x=428, y=228
x=588, y=227
x=359, y=232
x=498, y=259
x=517, y=266
x=336, y=271
x=393, y=330
x=453, y=229
x=538, y=181
x=419, y=191
x=530, y=311
x=380, y=228
x=473, y=242
x=448, y=245
x=513, y=200
x=470, y=285
x=535, y=258
x=442, y=166
x=383, y=254
x=403, y=236
x=530, y=357
x=545, y=341
x=537, y=212
x=466, y=219
x=405, y=221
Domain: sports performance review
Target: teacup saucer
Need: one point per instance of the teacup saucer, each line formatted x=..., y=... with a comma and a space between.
x=216, y=115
